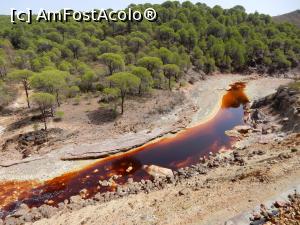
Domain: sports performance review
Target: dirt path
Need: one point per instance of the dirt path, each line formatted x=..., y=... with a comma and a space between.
x=204, y=96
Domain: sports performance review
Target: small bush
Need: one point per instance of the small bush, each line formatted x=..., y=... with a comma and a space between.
x=183, y=84
x=35, y=127
x=59, y=116
x=72, y=91
x=76, y=100
x=295, y=85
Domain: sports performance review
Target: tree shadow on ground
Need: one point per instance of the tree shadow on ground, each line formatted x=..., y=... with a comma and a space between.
x=102, y=115
x=29, y=120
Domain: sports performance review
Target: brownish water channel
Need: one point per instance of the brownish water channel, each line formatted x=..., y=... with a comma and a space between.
x=176, y=152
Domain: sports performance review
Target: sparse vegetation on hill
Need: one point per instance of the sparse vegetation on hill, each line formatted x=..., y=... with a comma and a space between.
x=292, y=17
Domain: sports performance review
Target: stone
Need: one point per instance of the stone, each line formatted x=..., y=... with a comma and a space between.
x=284, y=156
x=83, y=193
x=98, y=197
x=104, y=183
x=256, y=115
x=241, y=145
x=183, y=192
x=130, y=180
x=265, y=129
x=49, y=202
x=157, y=171
x=61, y=205
x=232, y=133
x=260, y=152
x=293, y=150
x=28, y=218
x=130, y=168
x=121, y=191
x=256, y=216
x=47, y=211
x=76, y=199
x=23, y=210
x=280, y=204
x=243, y=129
x=36, y=215
x=12, y=221
x=115, y=177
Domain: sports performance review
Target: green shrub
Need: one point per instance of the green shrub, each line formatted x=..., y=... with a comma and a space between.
x=59, y=116
x=72, y=91
x=35, y=127
x=76, y=100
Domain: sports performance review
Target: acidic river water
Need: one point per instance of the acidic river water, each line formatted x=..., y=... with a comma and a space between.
x=175, y=152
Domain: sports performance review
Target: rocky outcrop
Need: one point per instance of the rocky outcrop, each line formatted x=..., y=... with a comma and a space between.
x=29, y=143
x=284, y=209
x=285, y=103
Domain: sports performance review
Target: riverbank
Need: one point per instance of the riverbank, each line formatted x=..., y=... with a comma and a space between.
x=203, y=101
x=209, y=192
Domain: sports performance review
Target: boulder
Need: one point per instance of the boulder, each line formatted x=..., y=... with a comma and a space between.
x=35, y=214
x=242, y=129
x=129, y=169
x=23, y=210
x=280, y=204
x=232, y=133
x=183, y=192
x=256, y=115
x=241, y=145
x=76, y=199
x=83, y=193
x=157, y=171
x=12, y=221
x=47, y=211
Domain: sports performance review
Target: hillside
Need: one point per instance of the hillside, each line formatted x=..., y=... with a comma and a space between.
x=292, y=17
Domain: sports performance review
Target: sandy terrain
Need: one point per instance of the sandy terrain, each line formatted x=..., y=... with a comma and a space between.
x=202, y=100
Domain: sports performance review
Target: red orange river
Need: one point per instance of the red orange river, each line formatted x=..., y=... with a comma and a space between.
x=182, y=150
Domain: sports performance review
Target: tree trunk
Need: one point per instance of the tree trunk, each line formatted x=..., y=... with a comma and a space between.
x=140, y=89
x=110, y=70
x=45, y=123
x=52, y=111
x=57, y=99
x=122, y=104
x=26, y=91
x=170, y=83
x=128, y=26
x=44, y=118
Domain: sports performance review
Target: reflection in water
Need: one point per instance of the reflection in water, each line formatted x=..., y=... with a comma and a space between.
x=182, y=150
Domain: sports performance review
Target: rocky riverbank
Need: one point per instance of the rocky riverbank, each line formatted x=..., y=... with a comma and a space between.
x=247, y=161
x=254, y=166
